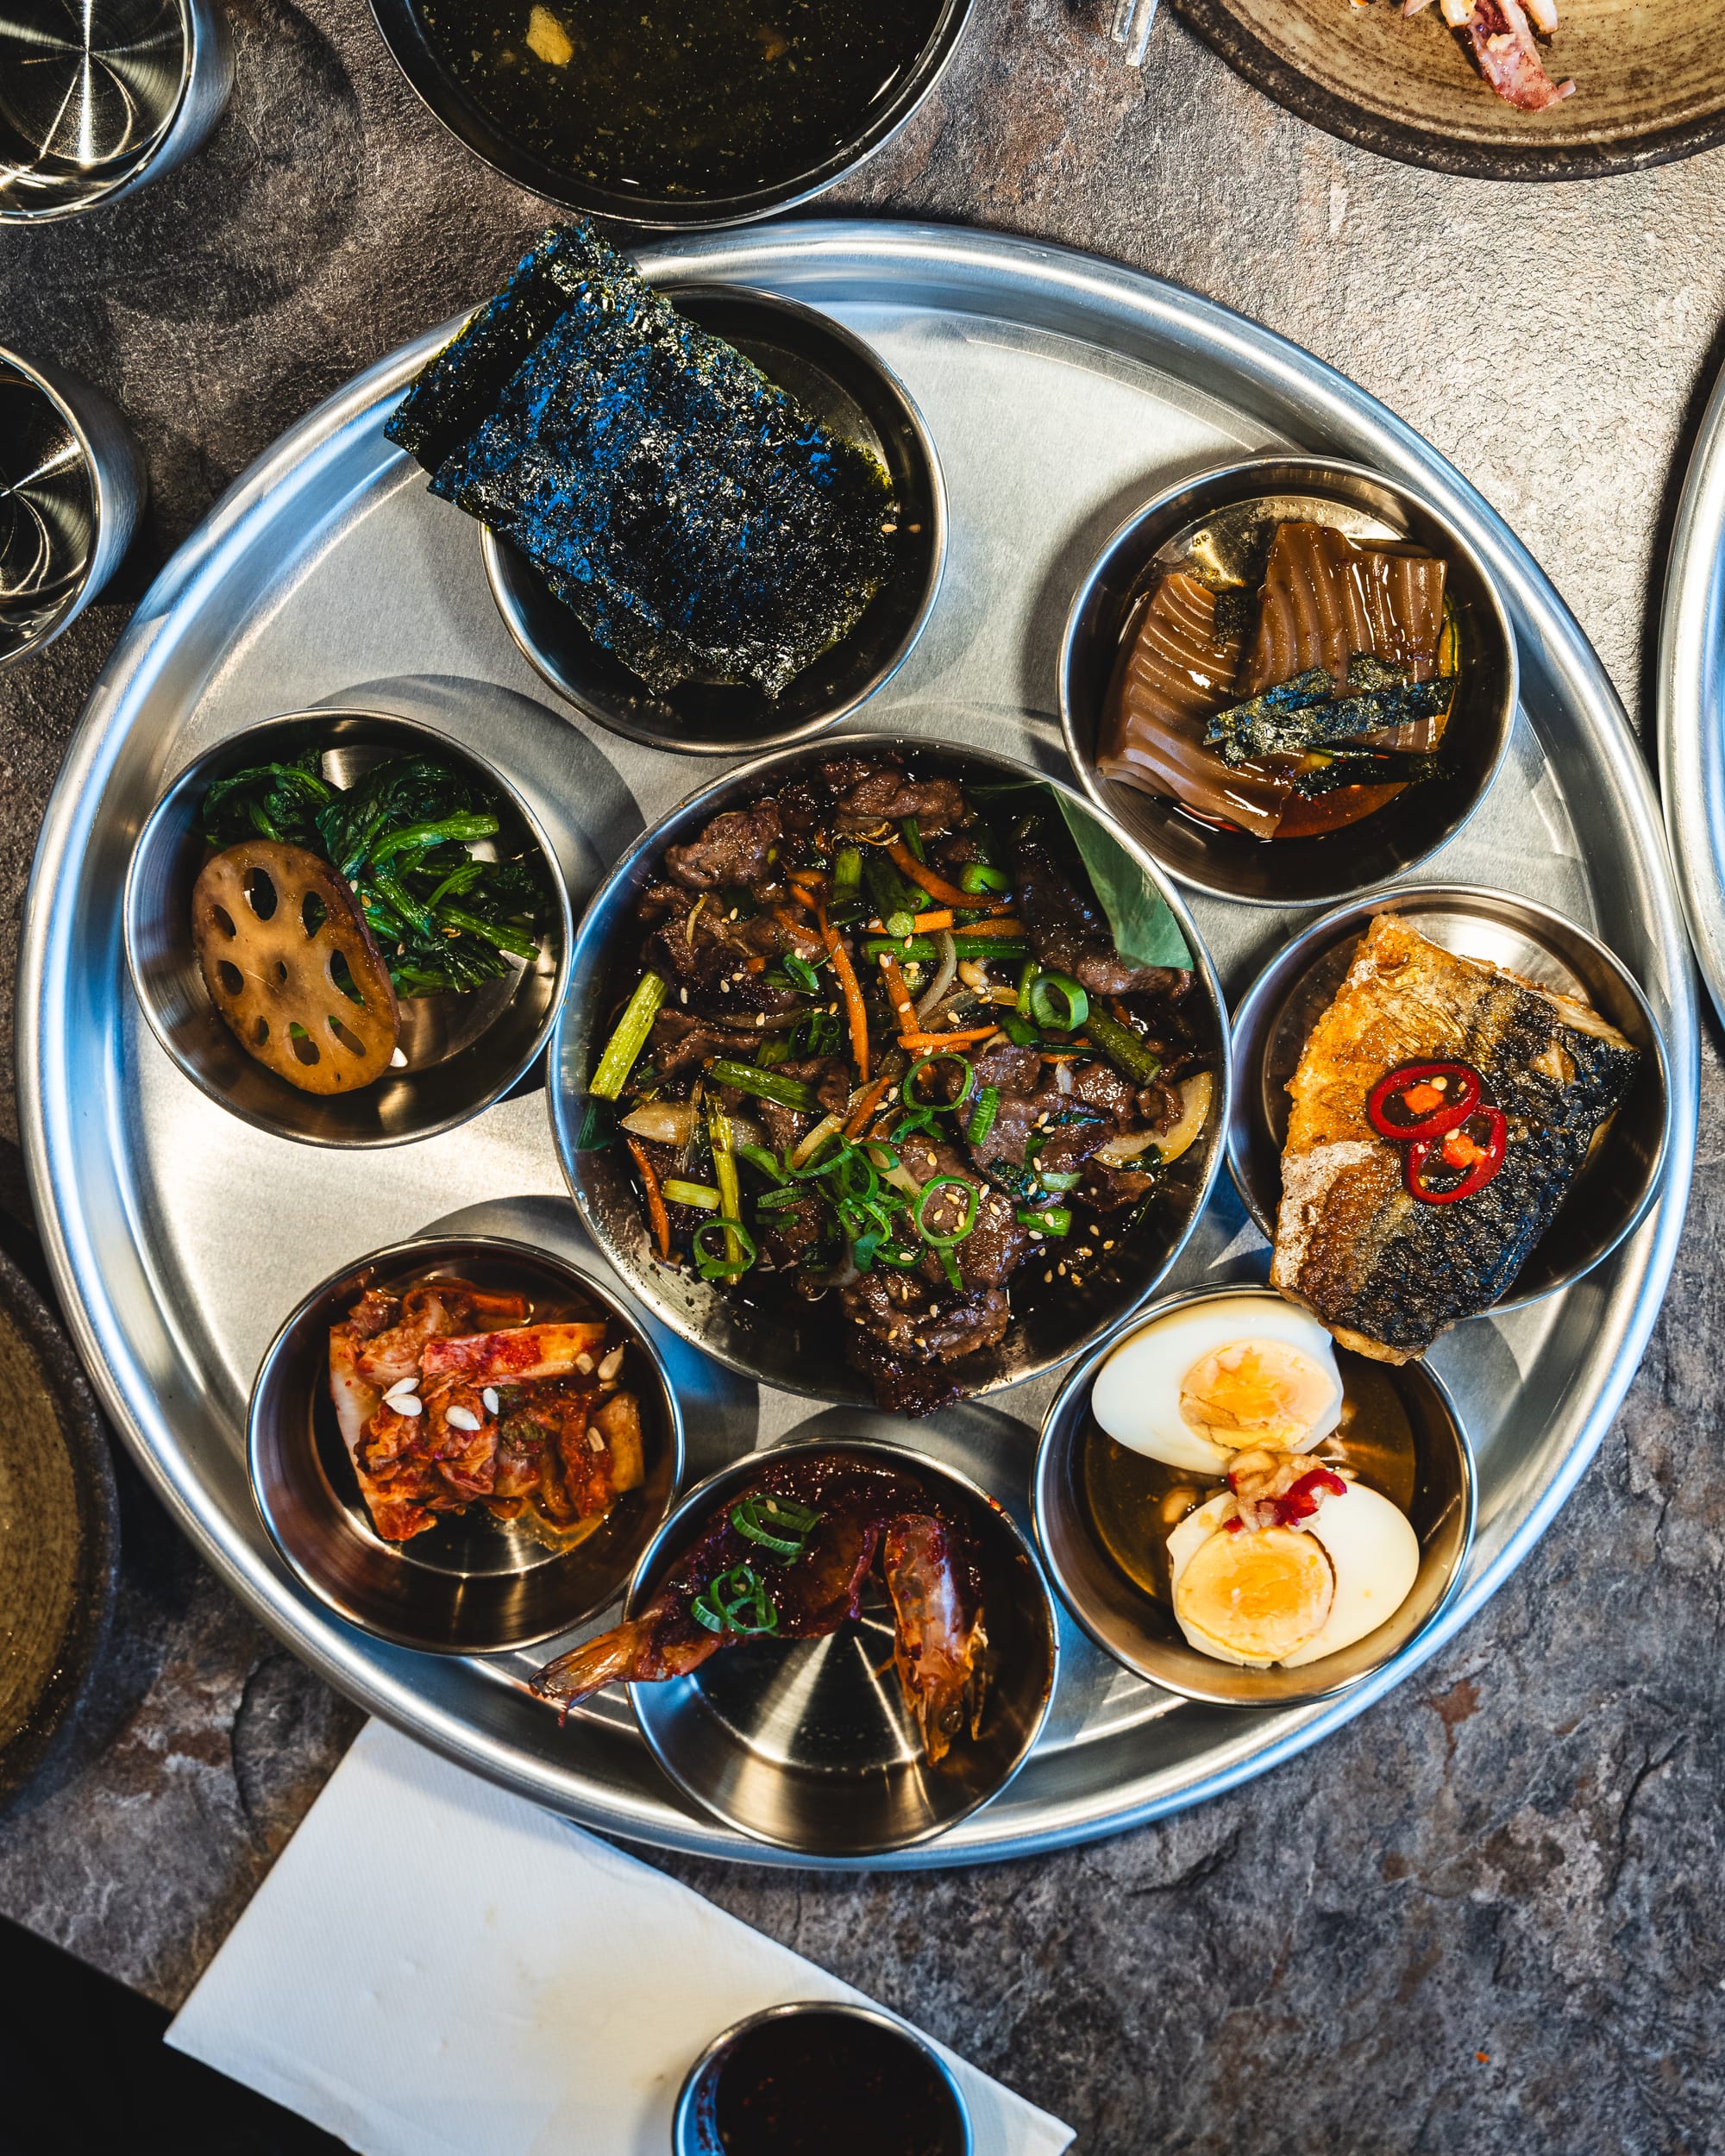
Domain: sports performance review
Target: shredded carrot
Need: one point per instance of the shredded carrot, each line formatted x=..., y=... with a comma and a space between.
x=656, y=1202
x=926, y=923
x=1002, y=925
x=814, y=878
x=866, y=1107
x=938, y=889
x=846, y=974
x=897, y=993
x=919, y=1043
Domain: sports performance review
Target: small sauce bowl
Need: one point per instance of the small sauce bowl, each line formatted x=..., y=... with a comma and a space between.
x=890, y=2092
x=471, y=1584
x=1620, y=1178
x=462, y=1051
x=806, y=1743
x=1212, y=514
x=1137, y=1628
x=850, y=390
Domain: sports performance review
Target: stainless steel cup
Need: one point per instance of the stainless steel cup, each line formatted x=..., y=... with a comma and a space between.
x=99, y=97
x=72, y=485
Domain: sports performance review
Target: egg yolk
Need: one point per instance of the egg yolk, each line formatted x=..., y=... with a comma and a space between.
x=1257, y=1596
x=1256, y=1392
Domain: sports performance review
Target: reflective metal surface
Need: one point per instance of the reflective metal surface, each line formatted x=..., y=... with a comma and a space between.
x=781, y=1341
x=471, y=1584
x=1216, y=518
x=459, y=1052
x=402, y=31
x=97, y=97
x=72, y=485
x=1062, y=390
x=844, y=384
x=1141, y=1633
x=694, y=2130
x=1620, y=1178
x=1691, y=697
x=808, y=1744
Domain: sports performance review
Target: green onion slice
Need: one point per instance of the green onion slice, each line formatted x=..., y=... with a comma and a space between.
x=802, y=972
x=944, y=1238
x=721, y=1264
x=982, y=1115
x=1057, y=1002
x=915, y=1099
x=737, y=1601
x=1065, y=1180
x=765, y=1085
x=764, y=1158
x=1051, y=1219
x=778, y=1524
x=676, y=1192
x=1031, y=970
x=976, y=875
x=626, y=1043
x=901, y=927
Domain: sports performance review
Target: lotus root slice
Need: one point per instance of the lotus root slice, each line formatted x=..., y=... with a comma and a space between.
x=273, y=927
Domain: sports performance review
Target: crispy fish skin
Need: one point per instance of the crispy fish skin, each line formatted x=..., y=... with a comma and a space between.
x=1385, y=1271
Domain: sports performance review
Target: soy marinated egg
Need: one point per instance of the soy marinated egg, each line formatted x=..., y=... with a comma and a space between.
x=1201, y=1383
x=1291, y=1596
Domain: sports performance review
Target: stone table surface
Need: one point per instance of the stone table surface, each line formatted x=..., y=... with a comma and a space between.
x=1484, y=1917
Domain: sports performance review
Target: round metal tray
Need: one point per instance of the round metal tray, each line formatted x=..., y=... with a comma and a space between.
x=1062, y=391
x=1691, y=697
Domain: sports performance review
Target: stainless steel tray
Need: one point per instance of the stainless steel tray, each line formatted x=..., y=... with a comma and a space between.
x=1062, y=391
x=1691, y=697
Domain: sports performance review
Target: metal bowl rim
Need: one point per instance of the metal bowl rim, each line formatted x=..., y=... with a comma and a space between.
x=1083, y=763
x=391, y=1253
x=1285, y=964
x=196, y=35
x=511, y=1075
x=595, y=922
x=757, y=742
x=100, y=503
x=1053, y=1433
x=902, y=1456
x=661, y=215
x=682, y=2124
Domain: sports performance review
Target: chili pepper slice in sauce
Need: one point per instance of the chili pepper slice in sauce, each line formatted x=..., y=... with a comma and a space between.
x=1423, y=1100
x=1443, y=1170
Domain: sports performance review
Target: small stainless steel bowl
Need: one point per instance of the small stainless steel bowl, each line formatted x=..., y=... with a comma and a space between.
x=1213, y=517
x=807, y=1744
x=1140, y=1631
x=99, y=97
x=695, y=2129
x=845, y=385
x=462, y=1051
x=402, y=26
x=470, y=1585
x=73, y=485
x=1619, y=1181
x=800, y=1349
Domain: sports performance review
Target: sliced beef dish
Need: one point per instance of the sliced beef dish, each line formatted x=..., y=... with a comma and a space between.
x=874, y=1048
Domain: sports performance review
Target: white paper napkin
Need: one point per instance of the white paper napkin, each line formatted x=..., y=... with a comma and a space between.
x=435, y=1966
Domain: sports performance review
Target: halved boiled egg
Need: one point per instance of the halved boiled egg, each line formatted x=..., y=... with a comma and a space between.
x=1291, y=1594
x=1204, y=1381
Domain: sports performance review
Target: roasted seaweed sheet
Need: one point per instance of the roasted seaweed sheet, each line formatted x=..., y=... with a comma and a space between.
x=702, y=524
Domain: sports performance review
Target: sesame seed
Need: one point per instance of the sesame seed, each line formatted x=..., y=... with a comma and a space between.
x=1048, y=1276
x=1109, y=1244
x=489, y=1397
x=612, y=1364
x=407, y=1404
x=595, y=1441
x=584, y=1363
x=461, y=1419
x=682, y=995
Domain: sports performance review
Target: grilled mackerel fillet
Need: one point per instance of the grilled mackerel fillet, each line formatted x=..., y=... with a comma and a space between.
x=1386, y=1272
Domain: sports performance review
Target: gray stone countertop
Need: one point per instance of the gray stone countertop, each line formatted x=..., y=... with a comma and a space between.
x=1481, y=1918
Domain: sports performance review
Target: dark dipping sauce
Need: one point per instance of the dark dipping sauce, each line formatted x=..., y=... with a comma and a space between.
x=722, y=99
x=1136, y=1503
x=826, y=2085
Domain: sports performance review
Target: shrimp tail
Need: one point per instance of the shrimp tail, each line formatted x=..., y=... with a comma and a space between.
x=637, y=1651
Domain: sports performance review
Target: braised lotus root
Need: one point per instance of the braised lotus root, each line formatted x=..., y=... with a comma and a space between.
x=291, y=965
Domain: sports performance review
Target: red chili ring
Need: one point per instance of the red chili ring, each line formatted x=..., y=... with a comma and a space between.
x=1476, y=1177
x=1469, y=1086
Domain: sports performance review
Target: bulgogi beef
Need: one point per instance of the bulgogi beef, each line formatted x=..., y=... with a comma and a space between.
x=878, y=1045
